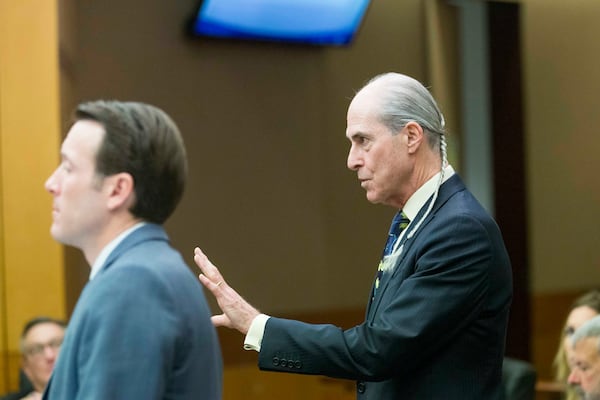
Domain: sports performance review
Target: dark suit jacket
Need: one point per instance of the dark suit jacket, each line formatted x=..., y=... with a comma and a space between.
x=141, y=330
x=437, y=326
x=15, y=395
x=25, y=388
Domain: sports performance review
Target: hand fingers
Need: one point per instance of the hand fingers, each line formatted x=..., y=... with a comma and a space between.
x=210, y=284
x=207, y=268
x=237, y=313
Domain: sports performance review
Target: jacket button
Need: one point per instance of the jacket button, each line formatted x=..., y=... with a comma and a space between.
x=283, y=362
x=276, y=361
x=361, y=387
x=298, y=364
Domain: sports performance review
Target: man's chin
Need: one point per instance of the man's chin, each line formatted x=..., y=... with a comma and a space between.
x=586, y=396
x=372, y=198
x=60, y=237
x=55, y=233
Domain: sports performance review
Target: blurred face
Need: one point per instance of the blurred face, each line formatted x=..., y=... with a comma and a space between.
x=78, y=206
x=577, y=317
x=380, y=159
x=585, y=368
x=40, y=350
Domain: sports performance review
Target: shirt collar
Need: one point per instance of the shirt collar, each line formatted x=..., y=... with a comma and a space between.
x=419, y=198
x=110, y=247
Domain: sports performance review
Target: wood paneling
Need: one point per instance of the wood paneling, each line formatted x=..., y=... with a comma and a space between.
x=31, y=265
x=246, y=382
x=11, y=371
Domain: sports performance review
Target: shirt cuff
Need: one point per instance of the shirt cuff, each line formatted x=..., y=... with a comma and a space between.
x=256, y=332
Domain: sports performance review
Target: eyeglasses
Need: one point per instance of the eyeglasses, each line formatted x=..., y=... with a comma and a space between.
x=38, y=349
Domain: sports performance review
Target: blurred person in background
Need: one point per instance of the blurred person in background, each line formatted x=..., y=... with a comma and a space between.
x=40, y=344
x=584, y=308
x=584, y=360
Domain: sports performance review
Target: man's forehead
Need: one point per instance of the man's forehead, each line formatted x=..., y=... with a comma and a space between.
x=82, y=141
x=585, y=350
x=43, y=331
x=367, y=100
x=85, y=130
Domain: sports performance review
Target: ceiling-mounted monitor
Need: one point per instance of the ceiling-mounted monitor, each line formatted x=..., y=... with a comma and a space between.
x=317, y=22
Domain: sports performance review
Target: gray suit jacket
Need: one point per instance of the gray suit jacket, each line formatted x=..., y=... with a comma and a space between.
x=437, y=326
x=141, y=330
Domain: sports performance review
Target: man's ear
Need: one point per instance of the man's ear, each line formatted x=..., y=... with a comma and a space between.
x=415, y=136
x=120, y=188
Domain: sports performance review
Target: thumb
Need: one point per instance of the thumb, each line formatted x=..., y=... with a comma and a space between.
x=221, y=320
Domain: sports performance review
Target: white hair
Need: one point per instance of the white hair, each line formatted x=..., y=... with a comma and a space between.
x=590, y=329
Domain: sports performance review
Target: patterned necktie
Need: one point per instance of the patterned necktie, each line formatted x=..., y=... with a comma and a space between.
x=399, y=222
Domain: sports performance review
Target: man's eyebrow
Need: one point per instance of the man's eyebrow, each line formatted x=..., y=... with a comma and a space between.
x=64, y=156
x=358, y=134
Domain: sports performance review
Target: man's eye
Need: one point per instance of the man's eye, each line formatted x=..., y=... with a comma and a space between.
x=65, y=167
x=581, y=367
x=569, y=330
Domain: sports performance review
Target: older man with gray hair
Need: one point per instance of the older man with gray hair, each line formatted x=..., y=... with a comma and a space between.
x=584, y=359
x=444, y=269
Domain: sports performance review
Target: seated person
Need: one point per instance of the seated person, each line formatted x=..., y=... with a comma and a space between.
x=584, y=359
x=519, y=378
x=583, y=309
x=40, y=344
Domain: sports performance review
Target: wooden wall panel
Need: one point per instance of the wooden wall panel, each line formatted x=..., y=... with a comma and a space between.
x=31, y=265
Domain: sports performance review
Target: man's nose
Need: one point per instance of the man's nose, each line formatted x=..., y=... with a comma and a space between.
x=573, y=378
x=353, y=162
x=50, y=184
x=50, y=352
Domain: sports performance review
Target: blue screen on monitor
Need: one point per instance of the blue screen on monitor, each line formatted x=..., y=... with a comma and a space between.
x=321, y=22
